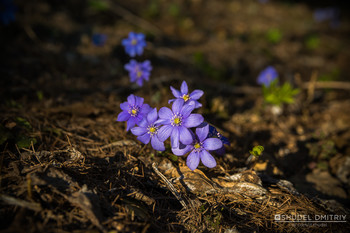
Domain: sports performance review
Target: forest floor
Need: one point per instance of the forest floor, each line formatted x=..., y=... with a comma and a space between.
x=67, y=165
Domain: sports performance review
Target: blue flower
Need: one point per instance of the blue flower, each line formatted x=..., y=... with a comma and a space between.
x=177, y=121
x=134, y=110
x=7, y=11
x=148, y=131
x=134, y=44
x=267, y=76
x=99, y=39
x=139, y=71
x=199, y=149
x=183, y=94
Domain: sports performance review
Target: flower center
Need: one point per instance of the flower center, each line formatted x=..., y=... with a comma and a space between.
x=152, y=130
x=133, y=111
x=139, y=73
x=176, y=120
x=133, y=41
x=186, y=97
x=197, y=146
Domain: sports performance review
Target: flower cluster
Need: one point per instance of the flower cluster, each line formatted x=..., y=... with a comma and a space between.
x=138, y=71
x=177, y=123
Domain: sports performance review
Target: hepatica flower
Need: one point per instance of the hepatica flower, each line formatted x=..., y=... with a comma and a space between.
x=7, y=11
x=184, y=95
x=148, y=131
x=134, y=110
x=134, y=44
x=177, y=121
x=99, y=39
x=199, y=149
x=267, y=76
x=139, y=71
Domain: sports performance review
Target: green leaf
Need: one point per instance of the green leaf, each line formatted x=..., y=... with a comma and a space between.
x=99, y=5
x=25, y=142
x=23, y=122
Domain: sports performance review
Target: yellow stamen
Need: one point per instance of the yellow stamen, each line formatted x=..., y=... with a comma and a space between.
x=152, y=129
x=134, y=42
x=138, y=73
x=134, y=111
x=177, y=120
x=197, y=145
x=186, y=97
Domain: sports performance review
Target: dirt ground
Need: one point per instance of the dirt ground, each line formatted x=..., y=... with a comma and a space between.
x=67, y=165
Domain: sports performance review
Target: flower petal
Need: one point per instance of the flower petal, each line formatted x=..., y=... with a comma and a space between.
x=184, y=88
x=143, y=123
x=175, y=92
x=182, y=149
x=131, y=123
x=152, y=116
x=196, y=94
x=145, y=109
x=212, y=144
x=123, y=116
x=164, y=132
x=124, y=106
x=192, y=160
x=131, y=99
x=156, y=144
x=165, y=113
x=185, y=135
x=193, y=120
x=144, y=138
x=138, y=131
x=139, y=101
x=162, y=122
x=187, y=109
x=175, y=136
x=202, y=131
x=207, y=159
x=177, y=105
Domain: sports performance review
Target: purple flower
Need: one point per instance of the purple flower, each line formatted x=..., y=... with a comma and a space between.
x=139, y=71
x=148, y=131
x=134, y=44
x=182, y=94
x=99, y=39
x=134, y=110
x=199, y=149
x=177, y=121
x=267, y=76
x=7, y=11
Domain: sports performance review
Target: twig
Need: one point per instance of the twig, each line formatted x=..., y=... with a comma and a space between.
x=169, y=185
x=329, y=84
x=18, y=202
